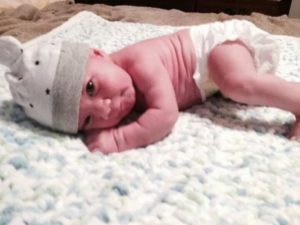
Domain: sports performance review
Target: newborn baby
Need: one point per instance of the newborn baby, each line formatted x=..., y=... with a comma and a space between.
x=91, y=91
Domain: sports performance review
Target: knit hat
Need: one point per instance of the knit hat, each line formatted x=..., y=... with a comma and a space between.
x=46, y=79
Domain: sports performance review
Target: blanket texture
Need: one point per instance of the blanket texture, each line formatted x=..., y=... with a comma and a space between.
x=224, y=163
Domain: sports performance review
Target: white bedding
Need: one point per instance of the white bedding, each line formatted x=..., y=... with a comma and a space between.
x=224, y=163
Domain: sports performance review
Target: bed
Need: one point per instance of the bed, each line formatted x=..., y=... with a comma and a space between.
x=224, y=163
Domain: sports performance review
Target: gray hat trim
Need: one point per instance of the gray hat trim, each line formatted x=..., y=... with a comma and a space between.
x=67, y=85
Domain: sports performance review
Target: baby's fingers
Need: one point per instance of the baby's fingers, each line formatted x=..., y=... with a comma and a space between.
x=94, y=144
x=93, y=148
x=91, y=142
x=101, y=141
x=295, y=132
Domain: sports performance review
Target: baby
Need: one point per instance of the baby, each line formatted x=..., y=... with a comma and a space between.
x=71, y=87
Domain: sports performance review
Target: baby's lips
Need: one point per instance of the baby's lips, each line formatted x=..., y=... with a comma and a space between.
x=106, y=115
x=107, y=109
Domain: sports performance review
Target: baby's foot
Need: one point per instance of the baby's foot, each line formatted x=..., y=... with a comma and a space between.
x=295, y=132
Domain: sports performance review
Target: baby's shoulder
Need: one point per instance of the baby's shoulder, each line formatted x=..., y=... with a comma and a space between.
x=140, y=54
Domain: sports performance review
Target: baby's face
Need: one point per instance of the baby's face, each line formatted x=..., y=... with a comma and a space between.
x=107, y=95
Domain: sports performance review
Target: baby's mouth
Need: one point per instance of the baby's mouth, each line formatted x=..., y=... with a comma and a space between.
x=114, y=109
x=118, y=106
x=107, y=109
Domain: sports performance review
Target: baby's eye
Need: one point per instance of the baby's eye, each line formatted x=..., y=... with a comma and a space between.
x=87, y=121
x=90, y=88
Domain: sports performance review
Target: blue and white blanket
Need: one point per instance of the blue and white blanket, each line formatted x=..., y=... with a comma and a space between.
x=224, y=163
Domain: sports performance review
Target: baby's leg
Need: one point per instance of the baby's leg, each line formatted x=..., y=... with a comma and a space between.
x=232, y=68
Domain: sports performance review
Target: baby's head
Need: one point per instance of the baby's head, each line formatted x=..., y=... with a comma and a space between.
x=59, y=85
x=107, y=95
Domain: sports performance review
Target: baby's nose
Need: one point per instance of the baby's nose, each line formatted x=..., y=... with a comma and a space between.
x=104, y=108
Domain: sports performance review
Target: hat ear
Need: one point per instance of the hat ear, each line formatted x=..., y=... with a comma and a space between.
x=11, y=49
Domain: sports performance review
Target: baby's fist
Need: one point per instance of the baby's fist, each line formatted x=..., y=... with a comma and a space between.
x=102, y=141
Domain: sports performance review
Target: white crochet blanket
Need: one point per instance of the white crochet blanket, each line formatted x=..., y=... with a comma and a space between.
x=224, y=163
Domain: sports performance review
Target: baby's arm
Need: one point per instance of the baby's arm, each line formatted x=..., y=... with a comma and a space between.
x=154, y=124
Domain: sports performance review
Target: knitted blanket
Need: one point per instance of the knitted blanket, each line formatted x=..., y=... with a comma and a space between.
x=224, y=163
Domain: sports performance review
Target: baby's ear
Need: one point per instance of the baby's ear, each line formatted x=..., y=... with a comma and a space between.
x=98, y=52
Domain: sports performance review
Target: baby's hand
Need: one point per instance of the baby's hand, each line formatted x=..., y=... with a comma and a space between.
x=295, y=132
x=102, y=141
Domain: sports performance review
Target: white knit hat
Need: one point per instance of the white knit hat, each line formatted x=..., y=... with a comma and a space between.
x=46, y=79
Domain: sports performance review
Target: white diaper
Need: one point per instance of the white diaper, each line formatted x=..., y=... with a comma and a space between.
x=205, y=37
